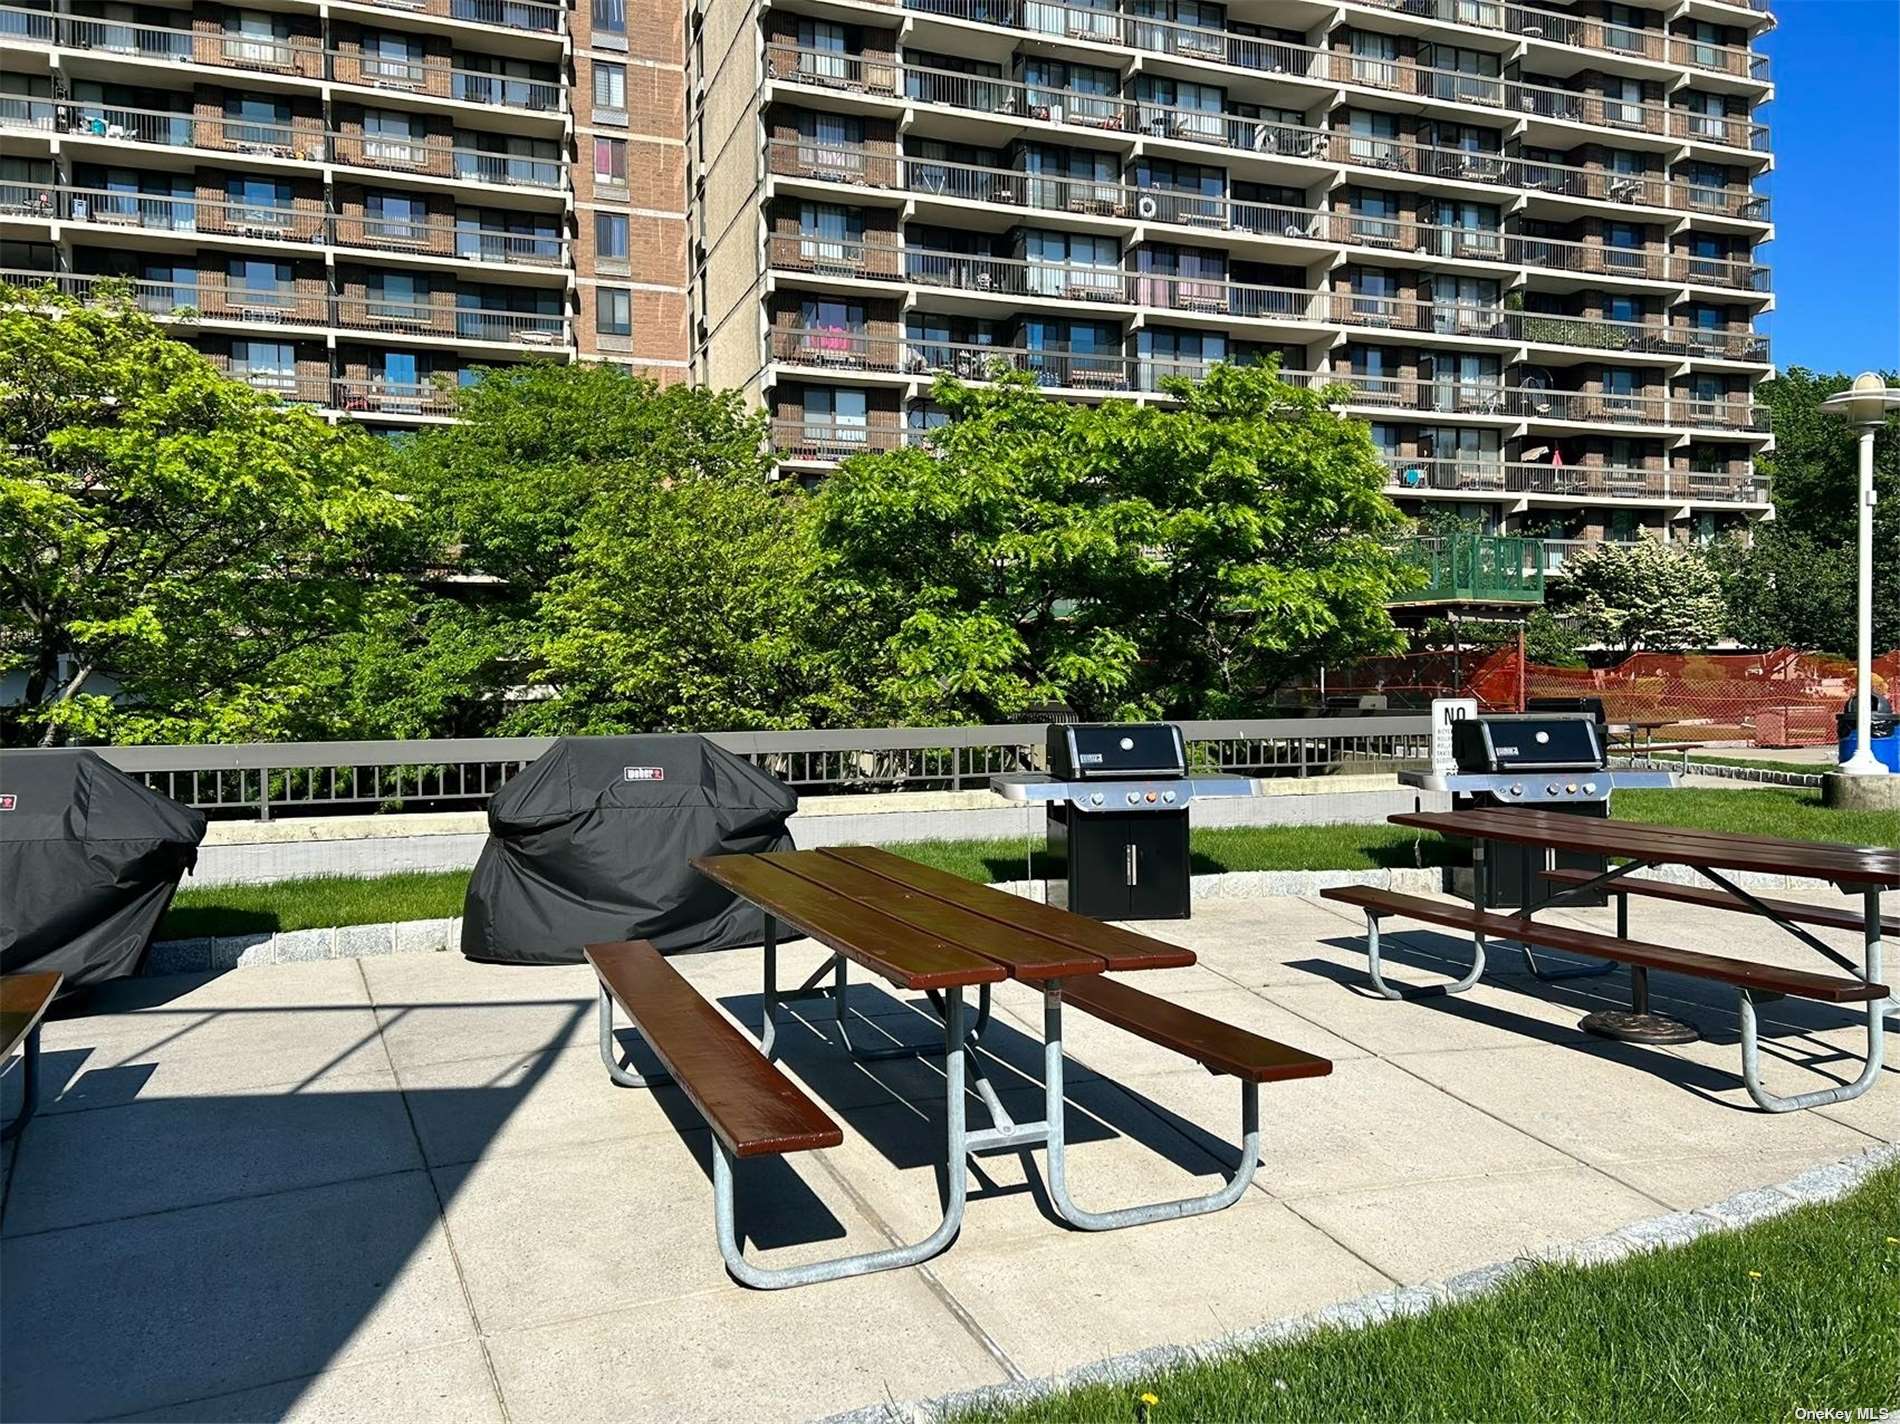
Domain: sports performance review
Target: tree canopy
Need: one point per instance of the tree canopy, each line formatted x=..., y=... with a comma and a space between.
x=170, y=540
x=1650, y=595
x=1123, y=560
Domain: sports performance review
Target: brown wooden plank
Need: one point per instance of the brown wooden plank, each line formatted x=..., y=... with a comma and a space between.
x=1220, y=1046
x=889, y=948
x=1024, y=954
x=1118, y=948
x=748, y=1103
x=1715, y=898
x=24, y=1000
x=1764, y=978
x=1667, y=845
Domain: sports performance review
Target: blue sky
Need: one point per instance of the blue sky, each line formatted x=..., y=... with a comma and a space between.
x=1835, y=125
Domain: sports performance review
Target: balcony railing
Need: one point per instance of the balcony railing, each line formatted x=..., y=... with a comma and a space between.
x=1474, y=568
x=304, y=301
x=434, y=236
x=1498, y=477
x=832, y=440
x=299, y=387
x=1557, y=552
x=436, y=154
x=882, y=166
x=1078, y=282
x=1116, y=113
x=444, y=318
x=371, y=395
x=1537, y=405
x=1108, y=27
x=533, y=16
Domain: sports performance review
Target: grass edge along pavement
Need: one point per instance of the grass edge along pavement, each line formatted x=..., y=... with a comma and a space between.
x=323, y=902
x=1777, y=1299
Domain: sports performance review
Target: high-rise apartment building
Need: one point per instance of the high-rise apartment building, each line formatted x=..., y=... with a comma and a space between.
x=354, y=204
x=1526, y=237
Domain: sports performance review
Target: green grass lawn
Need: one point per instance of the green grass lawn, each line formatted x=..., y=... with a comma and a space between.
x=1799, y=1312
x=1791, y=812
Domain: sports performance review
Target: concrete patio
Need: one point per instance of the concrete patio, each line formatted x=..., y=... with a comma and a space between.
x=403, y=1188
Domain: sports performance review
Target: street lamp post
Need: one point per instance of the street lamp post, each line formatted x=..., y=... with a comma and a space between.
x=1864, y=405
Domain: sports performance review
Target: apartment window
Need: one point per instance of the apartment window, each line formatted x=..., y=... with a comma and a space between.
x=392, y=58
x=1468, y=76
x=396, y=296
x=824, y=50
x=1468, y=383
x=258, y=282
x=251, y=37
x=613, y=311
x=1055, y=256
x=1708, y=184
x=610, y=87
x=1465, y=304
x=610, y=237
x=1622, y=308
x=269, y=364
x=1466, y=445
x=392, y=137
x=260, y=121
x=1375, y=294
x=610, y=18
x=1624, y=246
x=1624, y=28
x=1623, y=102
x=1375, y=59
x=258, y=202
x=610, y=161
x=1375, y=215
x=1373, y=138
x=1374, y=372
x=1178, y=353
x=1474, y=228
x=845, y=409
x=1708, y=115
x=395, y=217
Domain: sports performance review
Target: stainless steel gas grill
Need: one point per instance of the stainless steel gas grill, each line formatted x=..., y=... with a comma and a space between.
x=1117, y=798
x=1555, y=761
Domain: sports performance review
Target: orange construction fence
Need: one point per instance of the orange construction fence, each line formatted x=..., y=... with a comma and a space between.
x=1783, y=698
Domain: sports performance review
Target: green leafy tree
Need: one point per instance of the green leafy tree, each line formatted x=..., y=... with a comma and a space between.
x=170, y=540
x=688, y=605
x=1814, y=478
x=1648, y=595
x=1123, y=560
x=502, y=499
x=1788, y=589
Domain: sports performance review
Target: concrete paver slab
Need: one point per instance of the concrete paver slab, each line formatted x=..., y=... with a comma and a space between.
x=176, y=1306
x=156, y=1154
x=448, y=1384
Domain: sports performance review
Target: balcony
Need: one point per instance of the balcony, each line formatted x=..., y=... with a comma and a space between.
x=1558, y=551
x=372, y=396
x=1098, y=27
x=529, y=16
x=1601, y=482
x=849, y=350
x=883, y=166
x=1540, y=406
x=297, y=387
x=881, y=260
x=830, y=441
x=1474, y=568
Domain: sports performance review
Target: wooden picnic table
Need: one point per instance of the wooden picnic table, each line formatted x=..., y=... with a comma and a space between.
x=925, y=930
x=24, y=1000
x=1865, y=871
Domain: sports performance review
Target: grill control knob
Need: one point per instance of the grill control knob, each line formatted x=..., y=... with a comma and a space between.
x=1168, y=796
x=1133, y=797
x=1551, y=790
x=1517, y=788
x=1128, y=744
x=1151, y=797
x=1571, y=789
x=1590, y=788
x=1095, y=798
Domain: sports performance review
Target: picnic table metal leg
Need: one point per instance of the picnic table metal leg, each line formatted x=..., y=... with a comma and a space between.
x=610, y=1051
x=1638, y=1023
x=1054, y=1110
x=30, y=1082
x=1392, y=991
x=779, y=1277
x=1587, y=971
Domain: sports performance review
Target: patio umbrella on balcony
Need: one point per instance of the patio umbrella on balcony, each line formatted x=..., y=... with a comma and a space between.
x=89, y=861
x=592, y=843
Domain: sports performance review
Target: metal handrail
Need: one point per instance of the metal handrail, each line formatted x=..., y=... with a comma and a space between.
x=1418, y=476
x=1117, y=113
x=264, y=779
x=299, y=56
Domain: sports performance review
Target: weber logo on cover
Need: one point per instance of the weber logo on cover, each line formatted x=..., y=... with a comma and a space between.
x=643, y=773
x=8, y=801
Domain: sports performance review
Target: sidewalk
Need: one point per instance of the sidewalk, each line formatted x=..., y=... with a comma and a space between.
x=404, y=1188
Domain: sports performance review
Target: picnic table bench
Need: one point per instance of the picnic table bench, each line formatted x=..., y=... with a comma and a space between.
x=924, y=930
x=24, y=1000
x=1865, y=870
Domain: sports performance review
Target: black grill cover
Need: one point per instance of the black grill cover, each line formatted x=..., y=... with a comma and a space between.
x=592, y=841
x=89, y=859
